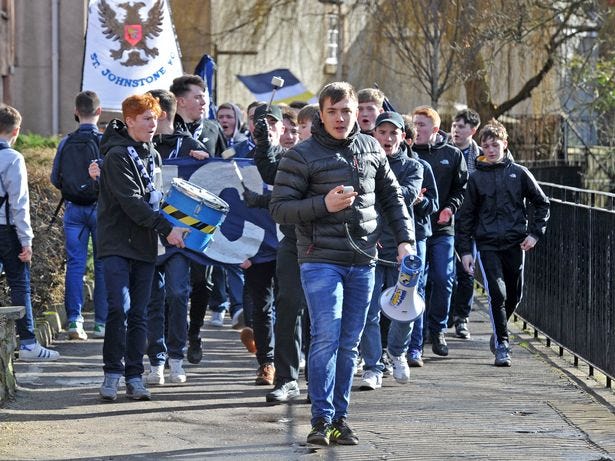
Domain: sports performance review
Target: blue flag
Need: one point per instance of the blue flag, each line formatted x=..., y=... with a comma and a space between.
x=293, y=90
x=206, y=69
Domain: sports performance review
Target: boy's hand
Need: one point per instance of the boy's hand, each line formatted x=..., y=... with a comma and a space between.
x=199, y=154
x=468, y=264
x=404, y=249
x=336, y=200
x=176, y=237
x=528, y=243
x=26, y=254
x=420, y=197
x=445, y=216
x=261, y=133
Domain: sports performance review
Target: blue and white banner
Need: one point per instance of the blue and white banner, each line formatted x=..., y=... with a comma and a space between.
x=293, y=90
x=245, y=231
x=130, y=48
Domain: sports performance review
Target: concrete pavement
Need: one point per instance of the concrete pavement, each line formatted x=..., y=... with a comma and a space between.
x=458, y=407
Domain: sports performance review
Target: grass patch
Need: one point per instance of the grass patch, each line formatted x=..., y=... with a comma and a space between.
x=36, y=141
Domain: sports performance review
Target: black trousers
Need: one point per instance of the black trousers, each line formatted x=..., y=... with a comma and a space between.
x=503, y=275
x=201, y=288
x=289, y=308
x=261, y=284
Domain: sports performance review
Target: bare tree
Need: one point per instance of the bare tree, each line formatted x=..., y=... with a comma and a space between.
x=443, y=43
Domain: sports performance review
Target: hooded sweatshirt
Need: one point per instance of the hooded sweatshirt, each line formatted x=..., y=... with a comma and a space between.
x=451, y=173
x=494, y=213
x=126, y=223
x=238, y=136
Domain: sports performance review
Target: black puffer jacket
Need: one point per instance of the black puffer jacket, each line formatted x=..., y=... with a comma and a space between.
x=494, y=212
x=311, y=169
x=126, y=224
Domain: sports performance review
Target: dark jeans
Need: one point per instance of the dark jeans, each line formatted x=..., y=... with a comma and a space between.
x=171, y=284
x=228, y=281
x=129, y=283
x=200, y=280
x=289, y=308
x=18, y=280
x=463, y=291
x=260, y=283
x=503, y=274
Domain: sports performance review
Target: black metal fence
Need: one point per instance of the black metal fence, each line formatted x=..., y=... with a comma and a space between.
x=570, y=276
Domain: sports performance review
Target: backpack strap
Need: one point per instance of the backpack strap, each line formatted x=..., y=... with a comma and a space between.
x=5, y=199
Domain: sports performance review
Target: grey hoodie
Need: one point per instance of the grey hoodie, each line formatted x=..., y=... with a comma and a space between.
x=14, y=184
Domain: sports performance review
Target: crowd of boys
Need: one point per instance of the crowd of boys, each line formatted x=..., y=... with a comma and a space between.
x=343, y=170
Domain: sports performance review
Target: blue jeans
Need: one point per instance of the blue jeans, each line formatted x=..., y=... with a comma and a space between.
x=440, y=270
x=171, y=285
x=18, y=280
x=371, y=339
x=228, y=281
x=338, y=300
x=409, y=335
x=79, y=224
x=129, y=283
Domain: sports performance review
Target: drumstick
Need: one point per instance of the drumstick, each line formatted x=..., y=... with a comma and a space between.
x=239, y=175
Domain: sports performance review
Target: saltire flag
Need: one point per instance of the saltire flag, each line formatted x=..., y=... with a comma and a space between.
x=130, y=48
x=206, y=69
x=293, y=90
x=245, y=231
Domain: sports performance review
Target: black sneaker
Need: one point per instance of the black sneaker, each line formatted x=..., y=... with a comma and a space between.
x=283, y=392
x=388, y=364
x=320, y=433
x=438, y=344
x=195, y=351
x=342, y=434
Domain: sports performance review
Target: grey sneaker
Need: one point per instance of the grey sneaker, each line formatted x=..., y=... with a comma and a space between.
x=461, y=329
x=283, y=392
x=108, y=389
x=135, y=390
x=502, y=355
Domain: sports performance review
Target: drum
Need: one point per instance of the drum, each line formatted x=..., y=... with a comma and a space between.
x=188, y=205
x=403, y=302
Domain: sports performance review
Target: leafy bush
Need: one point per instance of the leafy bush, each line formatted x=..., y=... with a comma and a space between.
x=36, y=141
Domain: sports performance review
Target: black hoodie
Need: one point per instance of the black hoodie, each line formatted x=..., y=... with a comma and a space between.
x=451, y=173
x=127, y=225
x=494, y=213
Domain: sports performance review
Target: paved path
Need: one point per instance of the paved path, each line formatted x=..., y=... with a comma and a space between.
x=459, y=407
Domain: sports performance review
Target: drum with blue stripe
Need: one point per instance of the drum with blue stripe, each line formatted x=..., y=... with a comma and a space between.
x=190, y=206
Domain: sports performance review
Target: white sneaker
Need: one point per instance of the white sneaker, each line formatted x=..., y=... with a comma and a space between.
x=178, y=375
x=217, y=319
x=37, y=353
x=76, y=331
x=302, y=361
x=371, y=380
x=401, y=370
x=156, y=375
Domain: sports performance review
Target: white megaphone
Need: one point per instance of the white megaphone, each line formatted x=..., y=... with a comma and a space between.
x=402, y=302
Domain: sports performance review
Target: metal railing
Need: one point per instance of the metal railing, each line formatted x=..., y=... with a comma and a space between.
x=569, y=290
